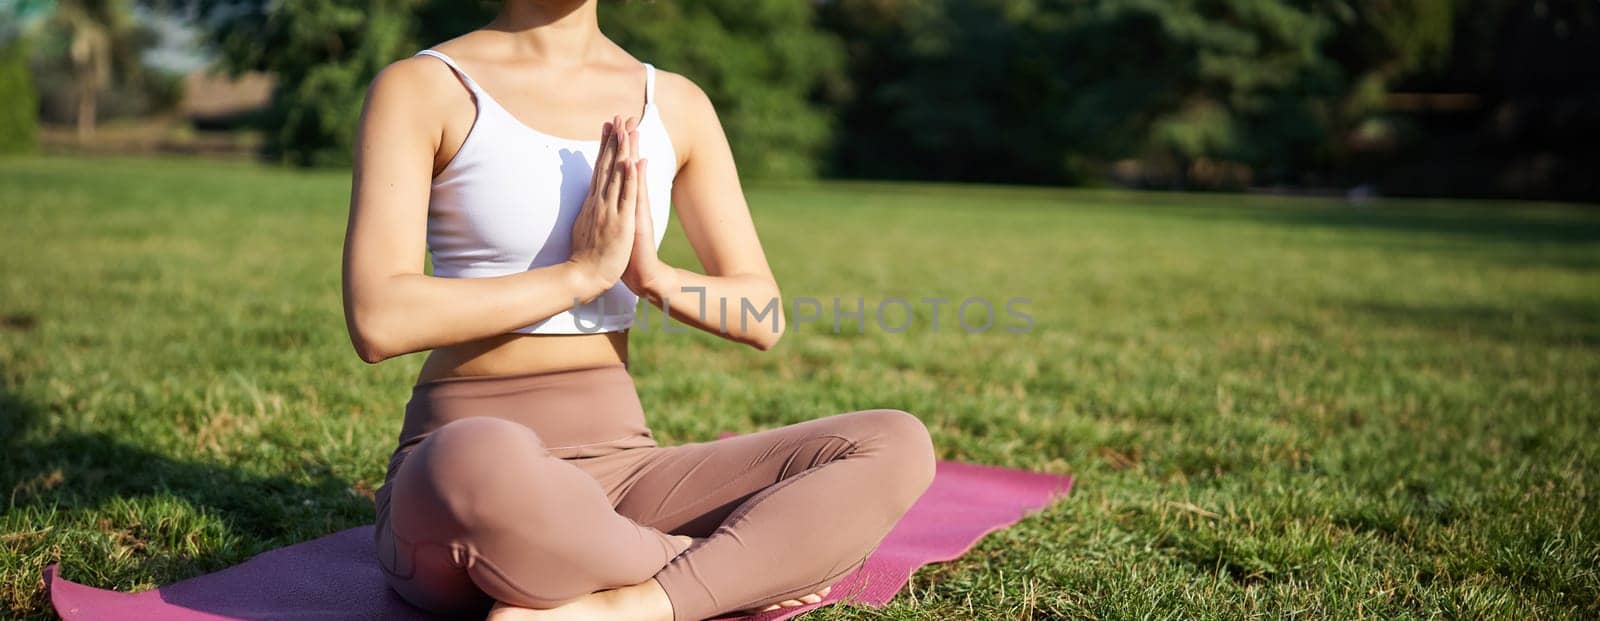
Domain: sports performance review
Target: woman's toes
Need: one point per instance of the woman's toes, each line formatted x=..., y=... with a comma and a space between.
x=802, y=601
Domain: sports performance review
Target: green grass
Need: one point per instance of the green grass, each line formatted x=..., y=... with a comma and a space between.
x=1274, y=407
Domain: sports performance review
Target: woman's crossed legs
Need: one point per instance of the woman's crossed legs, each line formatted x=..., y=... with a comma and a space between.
x=480, y=511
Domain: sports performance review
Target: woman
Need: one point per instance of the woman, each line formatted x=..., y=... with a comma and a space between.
x=526, y=477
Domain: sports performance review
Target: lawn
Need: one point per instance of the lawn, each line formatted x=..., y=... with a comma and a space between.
x=1275, y=407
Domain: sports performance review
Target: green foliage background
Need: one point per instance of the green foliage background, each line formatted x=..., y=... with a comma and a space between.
x=1291, y=92
x=1034, y=91
x=323, y=52
x=19, y=108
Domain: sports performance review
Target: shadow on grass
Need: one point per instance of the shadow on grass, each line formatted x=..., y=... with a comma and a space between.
x=1551, y=324
x=68, y=474
x=1523, y=224
x=1505, y=224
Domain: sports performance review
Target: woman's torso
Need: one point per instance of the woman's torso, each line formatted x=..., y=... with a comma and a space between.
x=478, y=228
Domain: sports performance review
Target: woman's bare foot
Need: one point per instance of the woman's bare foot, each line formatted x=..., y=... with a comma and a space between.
x=803, y=600
x=645, y=601
x=640, y=602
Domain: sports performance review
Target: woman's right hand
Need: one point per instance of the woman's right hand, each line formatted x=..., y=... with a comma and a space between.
x=602, y=236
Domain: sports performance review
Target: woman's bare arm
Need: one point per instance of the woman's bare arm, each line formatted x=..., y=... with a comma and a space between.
x=737, y=297
x=391, y=306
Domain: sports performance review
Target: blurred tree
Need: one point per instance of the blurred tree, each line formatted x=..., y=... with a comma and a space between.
x=1034, y=91
x=1053, y=91
x=1522, y=113
x=935, y=92
x=115, y=83
x=19, y=109
x=322, y=53
x=99, y=40
x=1375, y=44
x=1236, y=80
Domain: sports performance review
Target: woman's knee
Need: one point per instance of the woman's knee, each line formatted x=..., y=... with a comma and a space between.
x=466, y=468
x=905, y=448
x=481, y=450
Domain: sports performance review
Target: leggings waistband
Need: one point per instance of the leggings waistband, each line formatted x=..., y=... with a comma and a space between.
x=576, y=413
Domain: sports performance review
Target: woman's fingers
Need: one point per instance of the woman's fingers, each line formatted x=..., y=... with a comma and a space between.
x=597, y=175
x=633, y=138
x=605, y=160
x=630, y=190
x=603, y=174
x=644, y=184
x=610, y=160
x=624, y=162
x=613, y=189
x=626, y=152
x=644, y=224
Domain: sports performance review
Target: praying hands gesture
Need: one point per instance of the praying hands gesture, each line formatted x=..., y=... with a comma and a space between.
x=603, y=237
x=614, y=235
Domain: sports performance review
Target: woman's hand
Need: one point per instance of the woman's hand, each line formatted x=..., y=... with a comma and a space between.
x=646, y=273
x=604, y=234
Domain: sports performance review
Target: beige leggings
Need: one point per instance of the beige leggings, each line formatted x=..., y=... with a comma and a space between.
x=534, y=490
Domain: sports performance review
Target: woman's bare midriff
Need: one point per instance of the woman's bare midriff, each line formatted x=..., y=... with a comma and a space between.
x=514, y=354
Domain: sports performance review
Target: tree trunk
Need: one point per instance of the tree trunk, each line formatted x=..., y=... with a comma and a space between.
x=85, y=76
x=86, y=110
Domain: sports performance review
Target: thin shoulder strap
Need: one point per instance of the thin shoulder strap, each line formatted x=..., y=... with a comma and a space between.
x=649, y=83
x=471, y=85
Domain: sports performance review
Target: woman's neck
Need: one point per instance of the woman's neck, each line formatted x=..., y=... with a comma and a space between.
x=562, y=32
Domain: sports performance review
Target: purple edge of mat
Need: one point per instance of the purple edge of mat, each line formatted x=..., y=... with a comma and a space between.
x=1041, y=489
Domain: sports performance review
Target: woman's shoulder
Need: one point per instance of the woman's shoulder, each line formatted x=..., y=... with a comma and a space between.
x=428, y=77
x=424, y=79
x=686, y=109
x=419, y=90
x=675, y=90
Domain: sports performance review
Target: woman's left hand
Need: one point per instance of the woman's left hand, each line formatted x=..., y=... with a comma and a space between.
x=645, y=270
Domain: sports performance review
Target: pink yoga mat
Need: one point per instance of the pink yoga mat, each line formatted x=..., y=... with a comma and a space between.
x=337, y=576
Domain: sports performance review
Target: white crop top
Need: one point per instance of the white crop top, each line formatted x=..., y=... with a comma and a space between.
x=507, y=200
